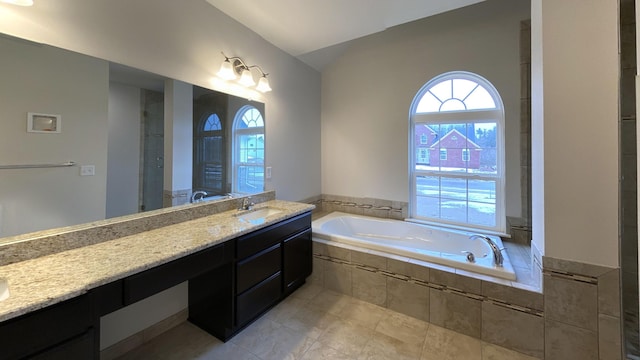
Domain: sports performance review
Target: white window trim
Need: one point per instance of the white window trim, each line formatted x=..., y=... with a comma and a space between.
x=235, y=162
x=481, y=115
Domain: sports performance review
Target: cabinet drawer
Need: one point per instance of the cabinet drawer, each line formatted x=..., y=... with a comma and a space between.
x=255, y=301
x=44, y=328
x=81, y=347
x=264, y=238
x=258, y=267
x=152, y=281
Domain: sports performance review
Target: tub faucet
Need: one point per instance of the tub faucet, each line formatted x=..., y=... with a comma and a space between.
x=195, y=198
x=246, y=203
x=498, y=259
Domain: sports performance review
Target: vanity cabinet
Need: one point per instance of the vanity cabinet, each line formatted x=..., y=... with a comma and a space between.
x=230, y=285
x=61, y=331
x=269, y=264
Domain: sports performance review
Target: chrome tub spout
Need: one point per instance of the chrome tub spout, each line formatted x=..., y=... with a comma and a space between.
x=498, y=259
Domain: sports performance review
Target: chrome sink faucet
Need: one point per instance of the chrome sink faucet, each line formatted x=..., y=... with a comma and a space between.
x=195, y=198
x=246, y=203
x=498, y=259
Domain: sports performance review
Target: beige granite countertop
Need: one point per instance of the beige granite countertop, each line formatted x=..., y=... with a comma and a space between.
x=50, y=279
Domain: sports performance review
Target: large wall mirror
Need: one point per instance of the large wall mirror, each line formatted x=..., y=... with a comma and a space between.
x=110, y=122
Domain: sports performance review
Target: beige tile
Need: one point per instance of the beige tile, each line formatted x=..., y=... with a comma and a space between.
x=319, y=351
x=317, y=275
x=363, y=313
x=319, y=248
x=408, y=298
x=609, y=338
x=513, y=295
x=564, y=342
x=402, y=327
x=256, y=333
x=286, y=309
x=495, y=352
x=571, y=302
x=282, y=344
x=330, y=301
x=609, y=293
x=337, y=277
x=375, y=261
x=455, y=312
x=383, y=347
x=369, y=286
x=513, y=329
x=307, y=292
x=408, y=269
x=455, y=281
x=443, y=344
x=310, y=321
x=574, y=267
x=347, y=338
x=338, y=252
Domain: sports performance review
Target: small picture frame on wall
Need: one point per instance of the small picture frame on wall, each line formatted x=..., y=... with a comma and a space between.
x=44, y=123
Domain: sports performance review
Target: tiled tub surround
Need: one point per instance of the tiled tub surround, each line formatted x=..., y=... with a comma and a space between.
x=416, y=241
x=576, y=317
x=46, y=280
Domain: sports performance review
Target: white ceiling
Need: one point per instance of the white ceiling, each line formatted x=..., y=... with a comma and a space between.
x=301, y=27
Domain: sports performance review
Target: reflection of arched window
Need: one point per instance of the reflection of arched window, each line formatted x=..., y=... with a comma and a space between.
x=212, y=123
x=209, y=155
x=248, y=151
x=461, y=116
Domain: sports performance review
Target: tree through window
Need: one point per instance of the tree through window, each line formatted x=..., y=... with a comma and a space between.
x=461, y=116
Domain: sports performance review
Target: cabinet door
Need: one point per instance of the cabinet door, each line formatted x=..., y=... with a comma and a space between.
x=80, y=347
x=297, y=260
x=42, y=329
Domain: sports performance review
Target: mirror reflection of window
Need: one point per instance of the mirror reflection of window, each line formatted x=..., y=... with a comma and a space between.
x=248, y=145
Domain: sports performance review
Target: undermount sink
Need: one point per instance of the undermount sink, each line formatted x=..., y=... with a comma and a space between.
x=257, y=215
x=4, y=289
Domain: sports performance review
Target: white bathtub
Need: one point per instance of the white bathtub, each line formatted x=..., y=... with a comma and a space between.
x=421, y=242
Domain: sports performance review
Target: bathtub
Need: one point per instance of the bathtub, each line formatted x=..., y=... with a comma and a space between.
x=421, y=242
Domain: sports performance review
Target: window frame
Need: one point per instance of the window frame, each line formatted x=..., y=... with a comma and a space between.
x=236, y=134
x=494, y=115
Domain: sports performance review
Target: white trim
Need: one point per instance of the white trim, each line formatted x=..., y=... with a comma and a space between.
x=494, y=115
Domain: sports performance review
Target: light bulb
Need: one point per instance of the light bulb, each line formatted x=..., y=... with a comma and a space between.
x=263, y=85
x=226, y=71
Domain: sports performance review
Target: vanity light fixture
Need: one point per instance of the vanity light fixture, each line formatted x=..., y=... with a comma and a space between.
x=18, y=2
x=234, y=67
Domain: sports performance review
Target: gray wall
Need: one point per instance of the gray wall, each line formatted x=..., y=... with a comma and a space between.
x=367, y=92
x=42, y=79
x=123, y=160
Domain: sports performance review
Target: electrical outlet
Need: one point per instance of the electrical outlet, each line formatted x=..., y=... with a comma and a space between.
x=87, y=170
x=268, y=174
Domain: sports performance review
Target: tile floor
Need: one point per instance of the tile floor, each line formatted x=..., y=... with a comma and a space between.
x=315, y=323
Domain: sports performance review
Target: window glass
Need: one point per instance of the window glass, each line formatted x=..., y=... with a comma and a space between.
x=248, y=145
x=457, y=120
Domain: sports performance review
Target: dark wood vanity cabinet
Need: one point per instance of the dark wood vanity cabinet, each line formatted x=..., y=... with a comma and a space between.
x=269, y=264
x=61, y=331
x=230, y=285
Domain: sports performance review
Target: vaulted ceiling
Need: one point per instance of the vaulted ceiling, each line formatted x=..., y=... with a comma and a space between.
x=302, y=28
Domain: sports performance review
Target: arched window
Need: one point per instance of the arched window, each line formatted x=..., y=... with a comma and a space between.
x=248, y=153
x=209, y=155
x=457, y=174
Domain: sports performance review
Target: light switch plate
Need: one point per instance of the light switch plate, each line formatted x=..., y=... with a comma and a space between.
x=87, y=170
x=268, y=174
